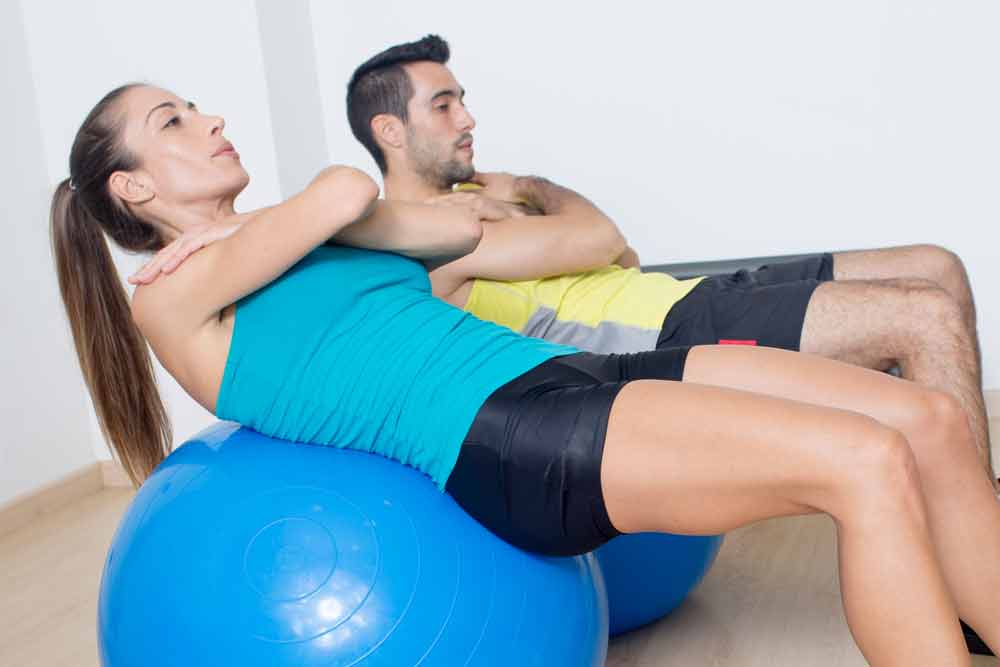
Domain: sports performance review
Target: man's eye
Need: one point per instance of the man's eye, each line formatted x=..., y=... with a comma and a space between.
x=443, y=107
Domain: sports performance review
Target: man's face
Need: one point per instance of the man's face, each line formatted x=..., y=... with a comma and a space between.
x=439, y=129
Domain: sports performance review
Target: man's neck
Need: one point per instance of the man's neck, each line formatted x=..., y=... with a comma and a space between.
x=405, y=186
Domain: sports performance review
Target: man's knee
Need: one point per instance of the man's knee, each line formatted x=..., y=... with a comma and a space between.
x=935, y=304
x=939, y=261
x=926, y=319
x=946, y=269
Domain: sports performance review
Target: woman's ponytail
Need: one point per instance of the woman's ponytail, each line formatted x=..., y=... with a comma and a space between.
x=113, y=354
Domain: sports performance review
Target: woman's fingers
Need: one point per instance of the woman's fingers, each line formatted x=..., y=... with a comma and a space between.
x=169, y=258
x=184, y=251
x=151, y=269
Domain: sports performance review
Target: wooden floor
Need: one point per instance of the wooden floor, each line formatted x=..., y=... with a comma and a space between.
x=770, y=600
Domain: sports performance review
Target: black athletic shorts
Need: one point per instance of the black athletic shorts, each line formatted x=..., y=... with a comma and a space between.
x=762, y=307
x=530, y=467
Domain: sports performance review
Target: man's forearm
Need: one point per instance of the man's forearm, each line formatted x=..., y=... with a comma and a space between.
x=593, y=233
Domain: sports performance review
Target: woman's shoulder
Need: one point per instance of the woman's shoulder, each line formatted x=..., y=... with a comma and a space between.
x=168, y=312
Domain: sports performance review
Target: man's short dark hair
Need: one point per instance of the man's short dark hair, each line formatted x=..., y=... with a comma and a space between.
x=381, y=85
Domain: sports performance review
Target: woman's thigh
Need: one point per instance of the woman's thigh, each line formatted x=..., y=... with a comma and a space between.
x=698, y=459
x=901, y=404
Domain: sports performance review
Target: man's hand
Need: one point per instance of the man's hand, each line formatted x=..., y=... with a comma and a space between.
x=168, y=259
x=498, y=185
x=488, y=208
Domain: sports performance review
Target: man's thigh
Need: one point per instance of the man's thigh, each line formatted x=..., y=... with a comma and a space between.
x=866, y=322
x=928, y=262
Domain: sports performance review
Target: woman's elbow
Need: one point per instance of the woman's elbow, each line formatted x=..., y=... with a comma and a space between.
x=349, y=192
x=470, y=232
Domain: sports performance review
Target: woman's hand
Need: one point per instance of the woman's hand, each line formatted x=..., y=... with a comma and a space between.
x=168, y=259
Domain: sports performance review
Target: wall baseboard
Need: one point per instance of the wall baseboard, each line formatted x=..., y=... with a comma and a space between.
x=27, y=507
x=109, y=473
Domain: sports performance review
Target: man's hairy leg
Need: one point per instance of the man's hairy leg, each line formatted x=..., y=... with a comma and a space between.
x=928, y=262
x=910, y=323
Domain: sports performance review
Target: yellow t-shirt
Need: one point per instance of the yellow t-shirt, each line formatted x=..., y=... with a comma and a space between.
x=607, y=310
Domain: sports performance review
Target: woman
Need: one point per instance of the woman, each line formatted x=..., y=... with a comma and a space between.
x=336, y=345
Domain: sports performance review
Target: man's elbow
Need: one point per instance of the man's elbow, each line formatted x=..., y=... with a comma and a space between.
x=599, y=248
x=613, y=243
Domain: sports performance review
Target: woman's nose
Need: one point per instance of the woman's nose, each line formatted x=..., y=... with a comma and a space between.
x=218, y=124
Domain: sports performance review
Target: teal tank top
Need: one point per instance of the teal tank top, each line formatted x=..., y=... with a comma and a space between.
x=349, y=348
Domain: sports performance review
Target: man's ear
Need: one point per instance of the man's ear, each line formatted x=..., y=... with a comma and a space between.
x=131, y=188
x=388, y=130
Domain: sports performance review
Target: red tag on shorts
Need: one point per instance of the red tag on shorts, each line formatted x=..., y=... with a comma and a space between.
x=731, y=341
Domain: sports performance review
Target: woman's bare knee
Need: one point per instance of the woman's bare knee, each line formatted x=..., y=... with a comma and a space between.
x=880, y=478
x=944, y=444
x=937, y=419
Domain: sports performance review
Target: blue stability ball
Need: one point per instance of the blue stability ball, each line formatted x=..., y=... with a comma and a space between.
x=648, y=574
x=245, y=550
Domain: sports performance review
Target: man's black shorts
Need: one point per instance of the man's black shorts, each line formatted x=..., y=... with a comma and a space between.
x=763, y=307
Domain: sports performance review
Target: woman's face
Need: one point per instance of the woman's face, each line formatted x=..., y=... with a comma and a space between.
x=183, y=156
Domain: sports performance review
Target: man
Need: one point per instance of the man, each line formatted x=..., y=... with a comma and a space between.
x=910, y=307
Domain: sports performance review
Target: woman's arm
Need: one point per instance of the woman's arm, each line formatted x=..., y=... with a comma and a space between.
x=258, y=252
x=434, y=234
x=422, y=231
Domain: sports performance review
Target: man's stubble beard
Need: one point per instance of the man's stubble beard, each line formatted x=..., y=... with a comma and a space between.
x=442, y=174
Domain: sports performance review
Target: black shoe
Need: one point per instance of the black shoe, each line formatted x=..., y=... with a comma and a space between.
x=973, y=641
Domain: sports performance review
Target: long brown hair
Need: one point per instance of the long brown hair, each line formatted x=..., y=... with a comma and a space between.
x=113, y=354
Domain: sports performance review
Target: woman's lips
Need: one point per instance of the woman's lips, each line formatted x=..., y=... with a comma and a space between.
x=226, y=149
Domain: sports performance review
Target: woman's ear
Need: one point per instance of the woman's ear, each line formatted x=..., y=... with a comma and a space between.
x=130, y=187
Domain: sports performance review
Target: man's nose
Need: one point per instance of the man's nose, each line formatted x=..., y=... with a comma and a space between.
x=468, y=122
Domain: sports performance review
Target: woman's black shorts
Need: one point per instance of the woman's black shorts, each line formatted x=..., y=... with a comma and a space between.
x=530, y=467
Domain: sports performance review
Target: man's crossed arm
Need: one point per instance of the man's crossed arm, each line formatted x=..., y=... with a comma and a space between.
x=571, y=235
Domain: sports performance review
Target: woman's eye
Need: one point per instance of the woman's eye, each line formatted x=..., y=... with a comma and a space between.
x=443, y=107
x=173, y=120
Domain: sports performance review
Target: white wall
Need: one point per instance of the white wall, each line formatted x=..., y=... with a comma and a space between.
x=208, y=52
x=36, y=356
x=708, y=130
x=293, y=92
x=726, y=129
